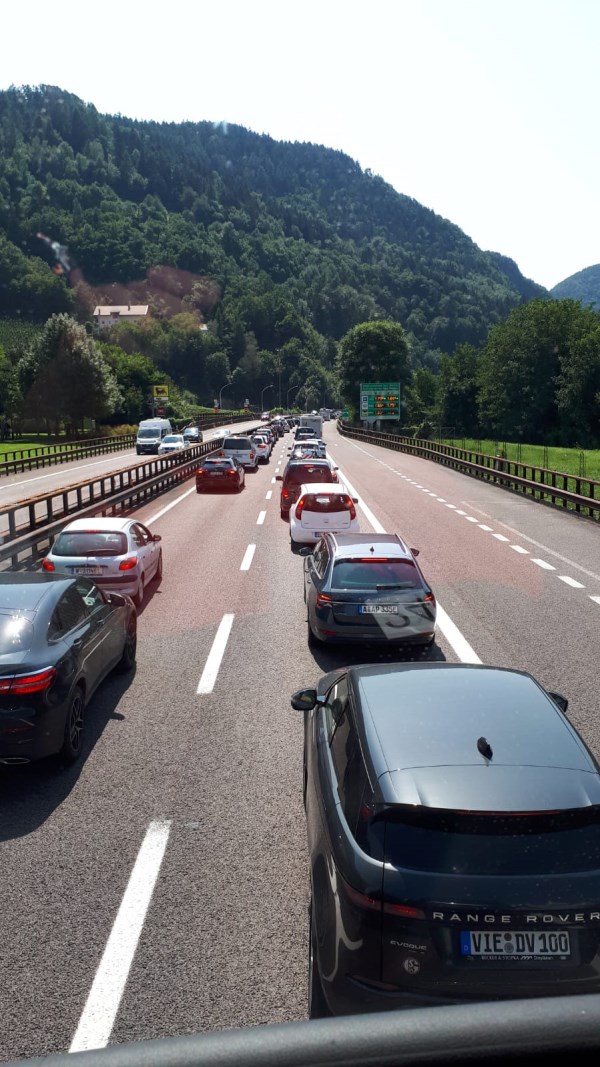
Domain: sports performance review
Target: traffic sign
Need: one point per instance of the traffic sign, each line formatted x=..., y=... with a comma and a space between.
x=161, y=392
x=160, y=411
x=380, y=400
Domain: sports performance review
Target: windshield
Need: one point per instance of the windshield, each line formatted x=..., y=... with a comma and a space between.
x=173, y=439
x=148, y=432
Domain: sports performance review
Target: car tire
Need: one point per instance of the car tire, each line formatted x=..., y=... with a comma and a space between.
x=317, y=1005
x=127, y=661
x=72, y=745
x=240, y=487
x=313, y=640
x=159, y=567
x=138, y=597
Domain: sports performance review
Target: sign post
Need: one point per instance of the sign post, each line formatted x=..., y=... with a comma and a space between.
x=379, y=400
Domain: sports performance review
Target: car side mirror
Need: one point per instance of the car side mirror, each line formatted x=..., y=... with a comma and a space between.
x=355, y=500
x=560, y=700
x=304, y=700
x=336, y=468
x=279, y=477
x=415, y=551
x=157, y=537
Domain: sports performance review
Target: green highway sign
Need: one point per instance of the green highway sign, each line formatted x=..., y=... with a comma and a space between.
x=380, y=400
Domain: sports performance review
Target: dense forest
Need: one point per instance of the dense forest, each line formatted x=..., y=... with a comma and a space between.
x=307, y=273
x=279, y=248
x=583, y=286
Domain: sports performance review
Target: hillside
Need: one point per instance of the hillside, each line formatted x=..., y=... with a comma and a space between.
x=584, y=286
x=275, y=241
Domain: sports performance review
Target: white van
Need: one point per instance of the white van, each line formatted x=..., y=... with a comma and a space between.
x=150, y=434
x=314, y=422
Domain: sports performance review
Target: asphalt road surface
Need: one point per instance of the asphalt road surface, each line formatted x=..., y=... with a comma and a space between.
x=161, y=887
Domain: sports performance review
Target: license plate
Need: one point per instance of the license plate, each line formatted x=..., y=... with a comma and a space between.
x=317, y=533
x=215, y=474
x=377, y=609
x=516, y=945
x=87, y=570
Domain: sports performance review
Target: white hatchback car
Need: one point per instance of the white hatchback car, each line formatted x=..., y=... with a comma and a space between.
x=173, y=442
x=119, y=555
x=321, y=508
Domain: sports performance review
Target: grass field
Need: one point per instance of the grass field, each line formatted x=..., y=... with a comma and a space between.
x=575, y=461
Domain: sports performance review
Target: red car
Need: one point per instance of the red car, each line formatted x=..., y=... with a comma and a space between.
x=299, y=473
x=220, y=473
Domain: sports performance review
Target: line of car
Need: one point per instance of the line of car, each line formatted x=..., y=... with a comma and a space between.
x=453, y=812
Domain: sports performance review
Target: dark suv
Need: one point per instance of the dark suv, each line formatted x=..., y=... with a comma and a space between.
x=453, y=819
x=302, y=472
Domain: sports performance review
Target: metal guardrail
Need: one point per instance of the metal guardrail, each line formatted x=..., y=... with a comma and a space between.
x=538, y=483
x=25, y=459
x=32, y=523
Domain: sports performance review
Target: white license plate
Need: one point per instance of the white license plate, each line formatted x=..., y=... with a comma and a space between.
x=515, y=944
x=215, y=474
x=87, y=570
x=377, y=609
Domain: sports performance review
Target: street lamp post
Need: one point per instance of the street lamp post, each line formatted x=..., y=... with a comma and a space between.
x=287, y=400
x=221, y=392
x=262, y=395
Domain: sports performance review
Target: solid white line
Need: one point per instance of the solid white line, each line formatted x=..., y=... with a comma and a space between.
x=570, y=581
x=455, y=639
x=61, y=470
x=247, y=560
x=542, y=563
x=269, y=494
x=96, y=1023
x=163, y=511
x=500, y=537
x=378, y=528
x=261, y=518
x=520, y=550
x=596, y=599
x=482, y=526
x=211, y=667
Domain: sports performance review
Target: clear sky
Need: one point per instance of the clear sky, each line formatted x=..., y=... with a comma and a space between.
x=484, y=110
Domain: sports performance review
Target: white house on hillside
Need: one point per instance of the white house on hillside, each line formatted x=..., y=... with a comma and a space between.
x=110, y=314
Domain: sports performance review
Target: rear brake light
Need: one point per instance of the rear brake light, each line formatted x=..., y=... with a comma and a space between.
x=222, y=453
x=24, y=684
x=299, y=507
x=200, y=472
x=363, y=900
x=373, y=559
x=429, y=599
x=232, y=472
x=285, y=493
x=128, y=564
x=323, y=600
x=47, y=565
x=252, y=455
x=403, y=910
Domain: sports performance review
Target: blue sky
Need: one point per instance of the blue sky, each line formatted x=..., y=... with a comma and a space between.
x=485, y=111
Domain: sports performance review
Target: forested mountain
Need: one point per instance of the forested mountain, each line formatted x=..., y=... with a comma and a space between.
x=583, y=286
x=285, y=246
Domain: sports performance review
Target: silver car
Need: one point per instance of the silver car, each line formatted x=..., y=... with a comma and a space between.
x=119, y=555
x=173, y=442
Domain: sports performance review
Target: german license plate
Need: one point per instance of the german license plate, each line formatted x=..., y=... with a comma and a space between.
x=516, y=945
x=87, y=570
x=215, y=474
x=377, y=609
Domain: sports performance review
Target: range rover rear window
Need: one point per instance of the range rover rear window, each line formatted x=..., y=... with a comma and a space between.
x=548, y=843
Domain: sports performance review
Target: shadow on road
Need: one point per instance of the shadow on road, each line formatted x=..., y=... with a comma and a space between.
x=331, y=658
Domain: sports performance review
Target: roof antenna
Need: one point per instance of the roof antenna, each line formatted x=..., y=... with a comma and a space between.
x=372, y=548
x=485, y=748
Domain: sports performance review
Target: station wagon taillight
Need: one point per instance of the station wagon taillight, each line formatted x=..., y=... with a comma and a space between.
x=25, y=684
x=323, y=600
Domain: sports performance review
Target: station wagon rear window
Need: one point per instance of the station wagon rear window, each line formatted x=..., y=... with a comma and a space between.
x=375, y=574
x=303, y=475
x=90, y=543
x=243, y=443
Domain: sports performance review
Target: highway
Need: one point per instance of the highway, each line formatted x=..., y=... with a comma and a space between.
x=161, y=886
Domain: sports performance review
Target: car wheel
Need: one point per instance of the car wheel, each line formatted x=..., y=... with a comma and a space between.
x=138, y=597
x=317, y=1005
x=73, y=740
x=127, y=661
x=240, y=487
x=313, y=641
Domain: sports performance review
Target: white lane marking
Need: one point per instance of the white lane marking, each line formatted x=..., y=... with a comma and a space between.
x=261, y=518
x=470, y=518
x=269, y=494
x=61, y=470
x=163, y=511
x=97, y=1020
x=213, y=663
x=459, y=512
x=542, y=563
x=247, y=560
x=570, y=581
x=482, y=526
x=458, y=643
x=500, y=537
x=522, y=551
x=596, y=599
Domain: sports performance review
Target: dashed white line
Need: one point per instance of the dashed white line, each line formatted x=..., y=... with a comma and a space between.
x=542, y=563
x=570, y=581
x=97, y=1020
x=273, y=480
x=500, y=537
x=518, y=548
x=269, y=494
x=261, y=518
x=248, y=556
x=459, y=512
x=596, y=599
x=470, y=518
x=482, y=526
x=213, y=663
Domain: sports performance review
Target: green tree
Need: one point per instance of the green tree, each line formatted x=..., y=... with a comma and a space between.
x=420, y=397
x=578, y=391
x=372, y=352
x=458, y=390
x=64, y=377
